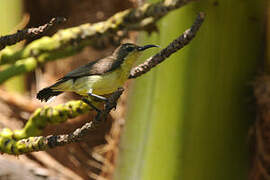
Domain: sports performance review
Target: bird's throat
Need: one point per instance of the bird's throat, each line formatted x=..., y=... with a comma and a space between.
x=128, y=63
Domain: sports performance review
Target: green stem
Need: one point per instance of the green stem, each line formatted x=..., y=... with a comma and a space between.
x=189, y=117
x=47, y=115
x=10, y=16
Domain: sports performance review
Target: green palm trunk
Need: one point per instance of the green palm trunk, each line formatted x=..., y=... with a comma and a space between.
x=10, y=16
x=189, y=117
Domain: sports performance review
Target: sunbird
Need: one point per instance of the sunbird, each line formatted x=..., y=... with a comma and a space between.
x=97, y=78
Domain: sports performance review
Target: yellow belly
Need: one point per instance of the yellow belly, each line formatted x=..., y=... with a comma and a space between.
x=99, y=84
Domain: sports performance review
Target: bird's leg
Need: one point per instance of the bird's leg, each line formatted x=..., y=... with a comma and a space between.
x=98, y=97
x=91, y=105
x=91, y=94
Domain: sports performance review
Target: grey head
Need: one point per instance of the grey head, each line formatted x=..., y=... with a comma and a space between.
x=125, y=49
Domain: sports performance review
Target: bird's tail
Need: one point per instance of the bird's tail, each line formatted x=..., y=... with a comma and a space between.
x=47, y=93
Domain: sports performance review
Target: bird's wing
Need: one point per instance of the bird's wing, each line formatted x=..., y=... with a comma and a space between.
x=97, y=67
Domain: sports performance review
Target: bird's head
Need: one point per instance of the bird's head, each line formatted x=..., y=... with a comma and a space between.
x=130, y=50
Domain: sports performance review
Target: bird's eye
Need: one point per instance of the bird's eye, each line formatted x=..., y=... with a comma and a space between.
x=130, y=48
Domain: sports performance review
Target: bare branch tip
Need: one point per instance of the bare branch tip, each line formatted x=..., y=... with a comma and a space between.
x=20, y=35
x=58, y=20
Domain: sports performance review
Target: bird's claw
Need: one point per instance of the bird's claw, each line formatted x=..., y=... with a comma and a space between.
x=114, y=106
x=110, y=105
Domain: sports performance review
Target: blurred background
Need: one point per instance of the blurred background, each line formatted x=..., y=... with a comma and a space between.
x=189, y=118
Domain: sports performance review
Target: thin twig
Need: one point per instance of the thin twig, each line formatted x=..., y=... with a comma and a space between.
x=176, y=45
x=28, y=33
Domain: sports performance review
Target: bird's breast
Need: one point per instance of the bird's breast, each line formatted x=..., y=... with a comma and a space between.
x=100, y=84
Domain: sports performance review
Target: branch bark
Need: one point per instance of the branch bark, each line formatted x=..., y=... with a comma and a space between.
x=28, y=33
x=173, y=47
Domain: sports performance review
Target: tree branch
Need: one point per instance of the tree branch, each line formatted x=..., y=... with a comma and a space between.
x=48, y=115
x=176, y=45
x=10, y=146
x=28, y=33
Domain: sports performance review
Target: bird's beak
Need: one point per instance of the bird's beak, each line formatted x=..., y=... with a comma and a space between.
x=142, y=48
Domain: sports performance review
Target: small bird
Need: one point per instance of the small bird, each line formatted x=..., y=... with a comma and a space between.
x=97, y=78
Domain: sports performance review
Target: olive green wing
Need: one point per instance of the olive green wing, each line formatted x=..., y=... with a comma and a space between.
x=97, y=67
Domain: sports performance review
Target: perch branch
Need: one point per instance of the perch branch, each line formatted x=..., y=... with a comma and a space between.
x=28, y=33
x=176, y=45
